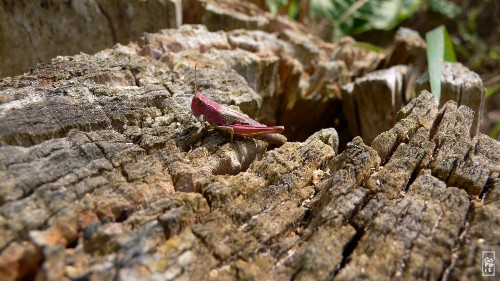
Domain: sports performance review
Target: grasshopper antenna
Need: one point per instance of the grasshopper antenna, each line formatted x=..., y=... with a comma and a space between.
x=195, y=81
x=195, y=89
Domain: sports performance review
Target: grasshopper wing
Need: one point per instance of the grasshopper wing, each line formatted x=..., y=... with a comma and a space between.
x=234, y=117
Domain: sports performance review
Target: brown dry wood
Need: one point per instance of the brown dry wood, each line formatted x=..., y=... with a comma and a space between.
x=81, y=198
x=372, y=101
x=461, y=85
x=408, y=48
x=31, y=33
x=97, y=153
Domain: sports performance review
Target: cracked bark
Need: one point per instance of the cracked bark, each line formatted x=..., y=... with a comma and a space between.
x=97, y=152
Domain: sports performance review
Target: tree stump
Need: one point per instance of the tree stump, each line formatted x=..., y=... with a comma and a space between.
x=105, y=175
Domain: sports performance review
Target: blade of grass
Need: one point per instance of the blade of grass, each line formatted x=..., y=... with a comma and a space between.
x=495, y=131
x=449, y=53
x=493, y=89
x=369, y=47
x=435, y=52
x=439, y=49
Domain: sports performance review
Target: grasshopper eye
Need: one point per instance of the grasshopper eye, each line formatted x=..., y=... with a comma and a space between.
x=199, y=101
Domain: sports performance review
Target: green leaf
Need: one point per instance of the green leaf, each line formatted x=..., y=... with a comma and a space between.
x=495, y=88
x=293, y=9
x=495, y=131
x=444, y=7
x=368, y=46
x=384, y=14
x=435, y=54
x=357, y=16
x=439, y=49
x=449, y=53
x=408, y=8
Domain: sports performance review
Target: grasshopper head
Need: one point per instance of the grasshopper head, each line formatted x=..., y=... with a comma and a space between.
x=197, y=104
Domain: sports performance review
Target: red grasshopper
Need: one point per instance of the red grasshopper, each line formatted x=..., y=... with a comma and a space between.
x=232, y=121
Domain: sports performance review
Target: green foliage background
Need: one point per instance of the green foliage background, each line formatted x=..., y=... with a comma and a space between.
x=350, y=17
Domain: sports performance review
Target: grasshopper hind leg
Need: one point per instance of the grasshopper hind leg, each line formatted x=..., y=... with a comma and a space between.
x=227, y=130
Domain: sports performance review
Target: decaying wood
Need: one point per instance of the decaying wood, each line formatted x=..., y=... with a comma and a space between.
x=461, y=85
x=371, y=102
x=30, y=33
x=408, y=48
x=105, y=176
x=98, y=193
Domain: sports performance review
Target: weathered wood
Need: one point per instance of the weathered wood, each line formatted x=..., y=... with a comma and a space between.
x=411, y=238
x=318, y=100
x=30, y=33
x=105, y=175
x=461, y=85
x=466, y=263
x=408, y=48
x=372, y=101
x=418, y=113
